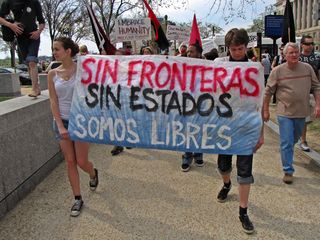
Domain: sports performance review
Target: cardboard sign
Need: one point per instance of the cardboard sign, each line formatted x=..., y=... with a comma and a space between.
x=132, y=29
x=178, y=33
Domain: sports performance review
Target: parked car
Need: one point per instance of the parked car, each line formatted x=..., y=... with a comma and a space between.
x=23, y=76
x=53, y=65
x=23, y=67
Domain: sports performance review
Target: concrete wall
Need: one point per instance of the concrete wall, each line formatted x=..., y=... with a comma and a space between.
x=28, y=149
x=43, y=81
x=9, y=84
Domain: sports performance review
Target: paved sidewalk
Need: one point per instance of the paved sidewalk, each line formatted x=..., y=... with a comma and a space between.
x=144, y=195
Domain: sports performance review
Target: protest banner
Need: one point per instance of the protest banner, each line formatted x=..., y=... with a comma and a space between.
x=165, y=102
x=132, y=29
x=178, y=33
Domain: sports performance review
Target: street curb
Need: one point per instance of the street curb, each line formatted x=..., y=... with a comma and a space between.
x=313, y=155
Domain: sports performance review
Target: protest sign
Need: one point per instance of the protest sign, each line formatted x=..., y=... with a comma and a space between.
x=132, y=29
x=164, y=102
x=178, y=33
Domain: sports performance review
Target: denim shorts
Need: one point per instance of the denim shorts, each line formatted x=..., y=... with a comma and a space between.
x=56, y=130
x=28, y=48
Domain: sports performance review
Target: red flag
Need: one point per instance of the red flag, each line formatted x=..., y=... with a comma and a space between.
x=195, y=38
x=160, y=37
x=102, y=41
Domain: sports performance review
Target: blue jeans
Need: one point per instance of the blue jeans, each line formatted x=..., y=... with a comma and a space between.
x=56, y=130
x=290, y=132
x=187, y=157
x=28, y=48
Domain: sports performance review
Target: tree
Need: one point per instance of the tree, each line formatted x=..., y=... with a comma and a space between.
x=232, y=9
x=109, y=11
x=258, y=23
x=63, y=17
x=204, y=28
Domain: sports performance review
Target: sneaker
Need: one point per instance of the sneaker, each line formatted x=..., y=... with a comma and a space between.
x=116, y=150
x=186, y=162
x=76, y=208
x=304, y=146
x=199, y=162
x=223, y=194
x=93, y=183
x=246, y=224
x=185, y=167
x=287, y=178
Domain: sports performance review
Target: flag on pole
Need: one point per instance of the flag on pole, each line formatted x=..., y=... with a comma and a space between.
x=160, y=37
x=289, y=31
x=102, y=41
x=195, y=38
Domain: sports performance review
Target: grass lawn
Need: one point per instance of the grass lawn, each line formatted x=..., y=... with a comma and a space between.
x=5, y=98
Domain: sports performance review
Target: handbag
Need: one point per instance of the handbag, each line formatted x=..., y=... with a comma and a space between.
x=7, y=34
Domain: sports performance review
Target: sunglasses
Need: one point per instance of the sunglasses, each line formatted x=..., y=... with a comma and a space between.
x=308, y=43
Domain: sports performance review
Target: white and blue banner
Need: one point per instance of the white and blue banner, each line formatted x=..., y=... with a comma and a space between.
x=164, y=102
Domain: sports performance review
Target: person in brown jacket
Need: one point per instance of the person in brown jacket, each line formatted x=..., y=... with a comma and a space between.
x=293, y=81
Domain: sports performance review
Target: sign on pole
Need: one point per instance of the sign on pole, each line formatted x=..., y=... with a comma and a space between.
x=273, y=26
x=132, y=29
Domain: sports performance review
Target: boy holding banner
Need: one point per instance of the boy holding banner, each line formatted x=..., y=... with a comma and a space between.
x=237, y=40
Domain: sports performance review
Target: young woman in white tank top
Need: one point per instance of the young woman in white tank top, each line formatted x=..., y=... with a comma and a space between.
x=61, y=83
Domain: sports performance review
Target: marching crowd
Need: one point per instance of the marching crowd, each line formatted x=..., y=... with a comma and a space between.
x=290, y=78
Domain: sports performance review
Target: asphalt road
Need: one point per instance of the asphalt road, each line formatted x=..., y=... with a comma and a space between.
x=144, y=195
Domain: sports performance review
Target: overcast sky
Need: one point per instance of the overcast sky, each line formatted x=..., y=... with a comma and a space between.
x=200, y=7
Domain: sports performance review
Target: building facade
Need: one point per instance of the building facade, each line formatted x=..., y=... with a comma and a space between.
x=306, y=21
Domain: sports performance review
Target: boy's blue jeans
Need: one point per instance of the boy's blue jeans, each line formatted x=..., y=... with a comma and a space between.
x=290, y=132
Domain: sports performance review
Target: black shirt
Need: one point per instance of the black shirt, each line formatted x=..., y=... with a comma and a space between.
x=313, y=60
x=27, y=12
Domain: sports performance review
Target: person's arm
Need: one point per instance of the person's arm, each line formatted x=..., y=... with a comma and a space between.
x=55, y=105
x=269, y=91
x=13, y=26
x=260, y=140
x=274, y=62
x=317, y=107
x=36, y=34
x=265, y=108
x=315, y=89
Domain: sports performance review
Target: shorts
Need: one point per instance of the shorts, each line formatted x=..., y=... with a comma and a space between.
x=28, y=48
x=56, y=130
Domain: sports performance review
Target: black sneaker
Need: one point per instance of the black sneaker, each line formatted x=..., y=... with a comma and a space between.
x=185, y=167
x=199, y=162
x=246, y=224
x=93, y=183
x=223, y=194
x=76, y=208
x=116, y=150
